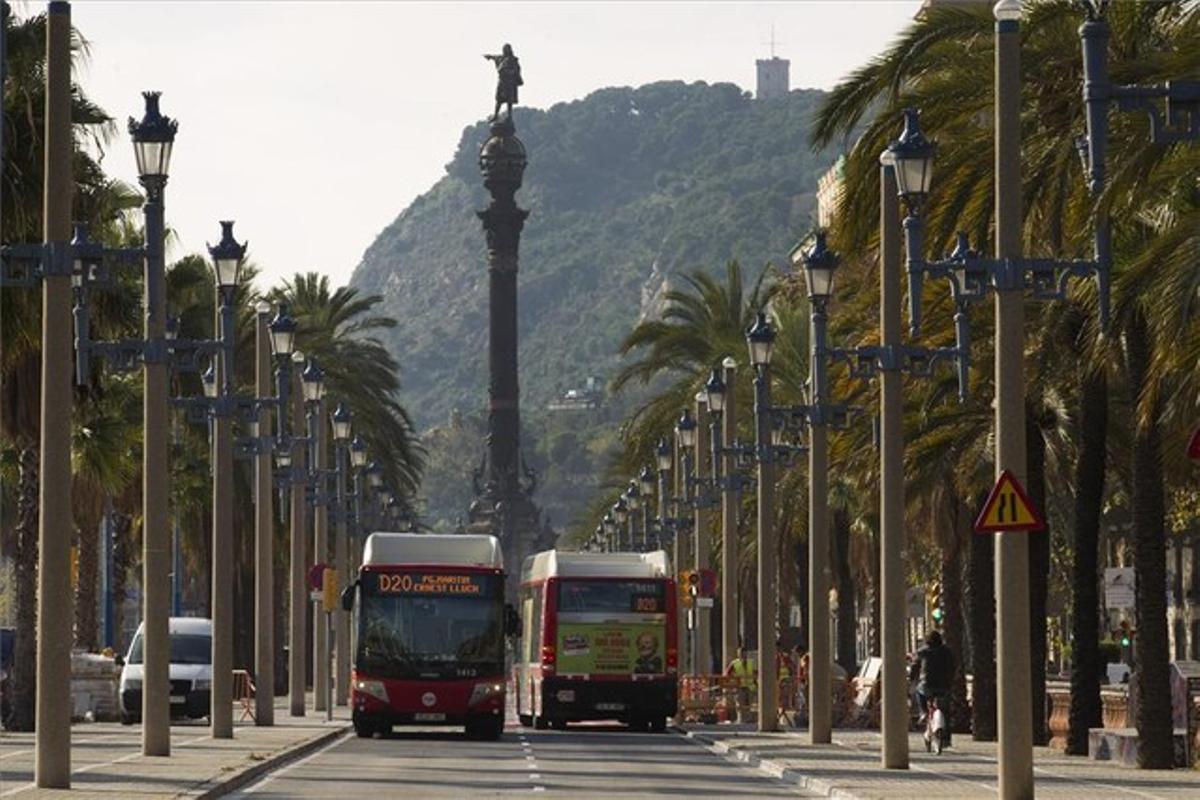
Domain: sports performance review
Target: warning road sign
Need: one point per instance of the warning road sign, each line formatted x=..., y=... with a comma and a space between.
x=1008, y=508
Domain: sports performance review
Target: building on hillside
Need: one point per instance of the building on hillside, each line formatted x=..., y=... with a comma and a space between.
x=589, y=398
x=830, y=188
x=773, y=78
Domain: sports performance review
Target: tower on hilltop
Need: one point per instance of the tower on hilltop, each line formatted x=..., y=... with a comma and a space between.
x=773, y=78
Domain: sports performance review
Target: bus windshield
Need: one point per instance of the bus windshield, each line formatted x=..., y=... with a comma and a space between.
x=430, y=625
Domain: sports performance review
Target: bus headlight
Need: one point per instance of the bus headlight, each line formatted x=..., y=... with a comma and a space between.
x=374, y=688
x=485, y=691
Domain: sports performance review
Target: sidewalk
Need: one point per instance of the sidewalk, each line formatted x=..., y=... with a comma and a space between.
x=849, y=768
x=106, y=757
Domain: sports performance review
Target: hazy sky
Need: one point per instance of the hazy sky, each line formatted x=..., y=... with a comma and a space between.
x=313, y=124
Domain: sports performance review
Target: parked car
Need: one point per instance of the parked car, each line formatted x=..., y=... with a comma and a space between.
x=191, y=670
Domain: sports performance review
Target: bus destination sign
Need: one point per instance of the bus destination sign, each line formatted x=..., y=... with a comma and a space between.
x=432, y=583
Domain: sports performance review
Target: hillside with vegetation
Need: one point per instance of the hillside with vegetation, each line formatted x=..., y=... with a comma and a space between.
x=627, y=188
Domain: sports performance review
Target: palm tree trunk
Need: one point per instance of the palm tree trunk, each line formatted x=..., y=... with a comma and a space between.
x=1086, y=667
x=123, y=550
x=847, y=614
x=953, y=628
x=1155, y=745
x=86, y=594
x=24, y=677
x=1039, y=572
x=981, y=605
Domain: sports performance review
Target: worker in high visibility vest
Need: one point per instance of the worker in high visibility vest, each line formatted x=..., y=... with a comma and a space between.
x=746, y=672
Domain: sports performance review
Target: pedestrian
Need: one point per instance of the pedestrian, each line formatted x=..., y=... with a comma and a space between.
x=744, y=670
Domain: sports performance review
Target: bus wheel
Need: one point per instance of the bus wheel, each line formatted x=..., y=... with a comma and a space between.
x=558, y=724
x=658, y=724
x=485, y=729
x=364, y=730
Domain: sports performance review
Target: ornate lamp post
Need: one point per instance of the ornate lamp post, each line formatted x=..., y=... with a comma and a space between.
x=340, y=421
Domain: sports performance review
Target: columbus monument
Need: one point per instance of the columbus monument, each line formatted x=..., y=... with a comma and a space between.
x=504, y=486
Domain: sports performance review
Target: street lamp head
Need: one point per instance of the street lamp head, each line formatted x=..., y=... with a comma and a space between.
x=714, y=392
x=820, y=264
x=298, y=358
x=610, y=524
x=262, y=307
x=761, y=339
x=340, y=419
x=283, y=456
x=227, y=256
x=358, y=453
x=153, y=137
x=912, y=157
x=729, y=363
x=386, y=495
x=312, y=381
x=663, y=455
x=283, y=332
x=647, y=481
x=778, y=435
x=620, y=511
x=209, y=380
x=633, y=496
x=685, y=429
x=374, y=475
x=171, y=328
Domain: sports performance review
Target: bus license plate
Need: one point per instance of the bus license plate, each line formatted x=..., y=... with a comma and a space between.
x=429, y=717
x=610, y=706
x=178, y=698
x=566, y=695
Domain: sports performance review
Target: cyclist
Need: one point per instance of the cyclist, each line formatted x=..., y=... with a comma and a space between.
x=933, y=669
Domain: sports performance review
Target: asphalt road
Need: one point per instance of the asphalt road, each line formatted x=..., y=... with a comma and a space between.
x=583, y=761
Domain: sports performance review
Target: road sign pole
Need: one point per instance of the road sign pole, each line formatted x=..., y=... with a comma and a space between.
x=1014, y=695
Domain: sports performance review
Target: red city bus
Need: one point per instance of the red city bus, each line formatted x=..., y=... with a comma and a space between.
x=429, y=623
x=598, y=640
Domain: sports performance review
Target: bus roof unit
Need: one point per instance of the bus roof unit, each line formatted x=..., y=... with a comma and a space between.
x=561, y=563
x=454, y=550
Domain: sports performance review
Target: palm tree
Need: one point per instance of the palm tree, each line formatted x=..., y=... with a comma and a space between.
x=98, y=200
x=942, y=64
x=337, y=328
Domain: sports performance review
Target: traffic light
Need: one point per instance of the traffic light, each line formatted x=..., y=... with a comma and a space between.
x=1125, y=634
x=935, y=603
x=687, y=580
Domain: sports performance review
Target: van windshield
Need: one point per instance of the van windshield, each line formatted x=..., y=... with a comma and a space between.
x=186, y=648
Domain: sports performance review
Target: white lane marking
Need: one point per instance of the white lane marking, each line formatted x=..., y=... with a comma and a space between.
x=539, y=788
x=128, y=756
x=251, y=789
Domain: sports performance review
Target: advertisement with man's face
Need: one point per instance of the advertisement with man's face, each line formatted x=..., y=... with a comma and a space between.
x=611, y=627
x=619, y=648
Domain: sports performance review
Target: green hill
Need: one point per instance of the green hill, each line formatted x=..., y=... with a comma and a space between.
x=626, y=188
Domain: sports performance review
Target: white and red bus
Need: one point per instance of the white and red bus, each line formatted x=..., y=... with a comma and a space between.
x=429, y=623
x=598, y=640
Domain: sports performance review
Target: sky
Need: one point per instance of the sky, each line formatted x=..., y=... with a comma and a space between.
x=314, y=124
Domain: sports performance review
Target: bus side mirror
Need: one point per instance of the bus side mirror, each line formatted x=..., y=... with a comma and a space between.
x=512, y=621
x=119, y=660
x=348, y=598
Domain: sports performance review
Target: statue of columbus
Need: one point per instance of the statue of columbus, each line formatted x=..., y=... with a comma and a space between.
x=508, y=69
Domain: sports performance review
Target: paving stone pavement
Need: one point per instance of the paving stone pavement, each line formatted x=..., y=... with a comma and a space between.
x=106, y=759
x=849, y=768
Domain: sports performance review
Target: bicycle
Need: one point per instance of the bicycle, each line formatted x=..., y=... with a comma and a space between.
x=937, y=732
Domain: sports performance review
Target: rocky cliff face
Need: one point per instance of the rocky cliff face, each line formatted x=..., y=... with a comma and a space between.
x=626, y=188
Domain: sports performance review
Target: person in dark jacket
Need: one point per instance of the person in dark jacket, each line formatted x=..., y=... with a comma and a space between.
x=933, y=670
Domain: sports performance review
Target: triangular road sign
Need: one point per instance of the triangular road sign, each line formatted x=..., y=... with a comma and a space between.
x=1194, y=445
x=1008, y=508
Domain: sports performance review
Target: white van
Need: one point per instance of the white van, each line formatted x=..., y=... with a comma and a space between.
x=191, y=670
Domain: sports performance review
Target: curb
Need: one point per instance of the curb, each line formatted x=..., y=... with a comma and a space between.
x=225, y=786
x=774, y=769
